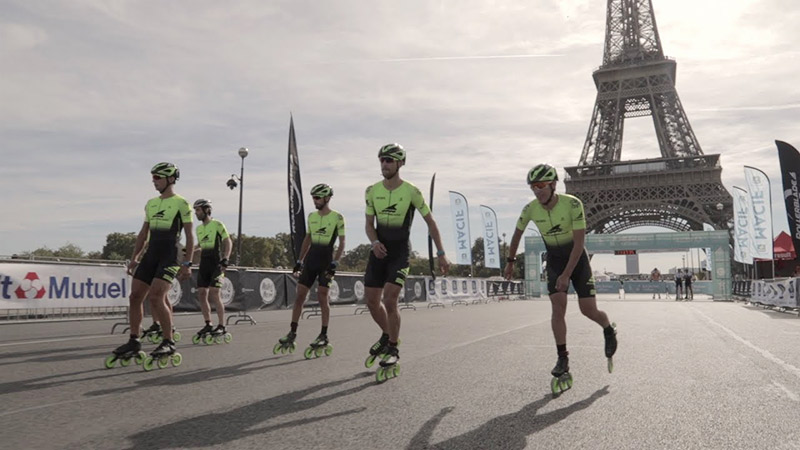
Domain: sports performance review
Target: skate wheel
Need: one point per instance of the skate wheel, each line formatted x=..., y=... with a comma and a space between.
x=219, y=339
x=176, y=336
x=163, y=362
x=395, y=370
x=125, y=362
x=148, y=364
x=328, y=350
x=110, y=361
x=228, y=338
x=209, y=339
x=177, y=358
x=276, y=349
x=370, y=361
x=309, y=353
x=610, y=365
x=196, y=339
x=319, y=351
x=292, y=347
x=283, y=350
x=555, y=387
x=156, y=339
x=140, y=357
x=380, y=375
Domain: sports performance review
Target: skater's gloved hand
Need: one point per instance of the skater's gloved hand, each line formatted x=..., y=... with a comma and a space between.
x=332, y=268
x=223, y=263
x=297, y=268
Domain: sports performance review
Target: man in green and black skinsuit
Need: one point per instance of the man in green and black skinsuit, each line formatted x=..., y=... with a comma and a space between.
x=390, y=209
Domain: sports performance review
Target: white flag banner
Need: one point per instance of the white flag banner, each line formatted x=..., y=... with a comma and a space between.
x=741, y=226
x=491, y=250
x=460, y=214
x=760, y=212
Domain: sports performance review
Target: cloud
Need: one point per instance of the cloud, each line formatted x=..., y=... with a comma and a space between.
x=100, y=91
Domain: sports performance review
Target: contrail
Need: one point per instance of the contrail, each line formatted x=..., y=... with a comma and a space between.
x=457, y=58
x=752, y=108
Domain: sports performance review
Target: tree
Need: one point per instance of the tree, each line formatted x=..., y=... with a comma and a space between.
x=355, y=260
x=65, y=251
x=119, y=246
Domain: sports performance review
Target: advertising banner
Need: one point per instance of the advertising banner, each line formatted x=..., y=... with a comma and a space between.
x=760, y=212
x=460, y=214
x=742, y=247
x=491, y=243
x=62, y=286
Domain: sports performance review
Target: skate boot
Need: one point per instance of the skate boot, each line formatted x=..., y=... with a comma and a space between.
x=219, y=335
x=176, y=335
x=389, y=365
x=162, y=356
x=285, y=344
x=611, y=345
x=200, y=336
x=320, y=346
x=377, y=351
x=131, y=350
x=562, y=379
x=152, y=334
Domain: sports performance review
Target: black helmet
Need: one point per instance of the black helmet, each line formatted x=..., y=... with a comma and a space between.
x=165, y=169
x=394, y=151
x=542, y=172
x=321, y=190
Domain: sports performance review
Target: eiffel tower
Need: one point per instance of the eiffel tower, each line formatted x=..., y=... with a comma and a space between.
x=682, y=189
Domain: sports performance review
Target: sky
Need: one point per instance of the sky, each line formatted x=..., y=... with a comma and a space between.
x=95, y=92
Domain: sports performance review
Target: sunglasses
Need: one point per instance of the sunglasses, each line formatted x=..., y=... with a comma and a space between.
x=316, y=197
x=540, y=184
x=157, y=177
x=387, y=160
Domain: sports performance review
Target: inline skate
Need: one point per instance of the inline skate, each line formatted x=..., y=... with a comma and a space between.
x=611, y=345
x=377, y=351
x=131, y=350
x=320, y=346
x=285, y=344
x=162, y=356
x=562, y=379
x=219, y=335
x=389, y=365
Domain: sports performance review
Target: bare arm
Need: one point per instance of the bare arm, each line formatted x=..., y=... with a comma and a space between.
x=433, y=231
x=512, y=250
x=227, y=247
x=339, y=250
x=304, y=247
x=372, y=234
x=141, y=239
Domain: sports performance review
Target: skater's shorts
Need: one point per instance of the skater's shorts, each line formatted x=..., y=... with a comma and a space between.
x=209, y=275
x=391, y=269
x=154, y=264
x=316, y=271
x=582, y=278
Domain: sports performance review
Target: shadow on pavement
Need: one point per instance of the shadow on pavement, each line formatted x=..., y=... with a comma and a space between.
x=221, y=428
x=177, y=378
x=508, y=432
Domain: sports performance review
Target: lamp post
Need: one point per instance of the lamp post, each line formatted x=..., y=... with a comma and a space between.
x=243, y=152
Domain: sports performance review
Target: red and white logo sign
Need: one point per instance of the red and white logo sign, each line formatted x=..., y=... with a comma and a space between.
x=30, y=287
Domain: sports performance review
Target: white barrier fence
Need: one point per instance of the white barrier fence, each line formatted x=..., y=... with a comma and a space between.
x=778, y=292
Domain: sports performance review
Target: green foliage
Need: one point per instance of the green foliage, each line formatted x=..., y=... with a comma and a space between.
x=119, y=246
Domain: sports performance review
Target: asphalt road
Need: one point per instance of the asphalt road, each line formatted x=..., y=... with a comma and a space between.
x=688, y=375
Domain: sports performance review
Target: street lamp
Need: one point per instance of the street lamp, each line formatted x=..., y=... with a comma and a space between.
x=232, y=185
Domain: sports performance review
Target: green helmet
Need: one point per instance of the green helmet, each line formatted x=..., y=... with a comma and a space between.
x=202, y=203
x=394, y=151
x=542, y=172
x=166, y=169
x=321, y=190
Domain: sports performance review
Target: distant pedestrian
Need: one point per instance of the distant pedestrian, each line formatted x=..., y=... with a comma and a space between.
x=678, y=285
x=687, y=282
x=655, y=276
